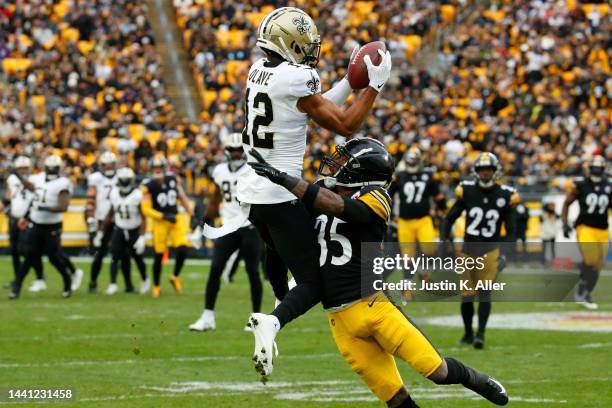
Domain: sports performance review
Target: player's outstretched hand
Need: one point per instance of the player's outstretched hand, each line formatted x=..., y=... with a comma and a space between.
x=379, y=74
x=263, y=168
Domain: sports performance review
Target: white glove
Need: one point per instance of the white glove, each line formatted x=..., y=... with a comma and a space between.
x=196, y=237
x=378, y=74
x=139, y=245
x=97, y=241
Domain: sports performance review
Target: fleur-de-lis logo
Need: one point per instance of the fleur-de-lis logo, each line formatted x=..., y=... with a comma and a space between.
x=313, y=85
x=302, y=25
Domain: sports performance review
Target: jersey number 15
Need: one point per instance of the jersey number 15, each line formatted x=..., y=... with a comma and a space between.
x=261, y=100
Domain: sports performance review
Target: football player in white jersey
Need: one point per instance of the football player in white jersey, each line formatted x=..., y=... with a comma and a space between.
x=43, y=233
x=245, y=239
x=18, y=199
x=99, y=187
x=128, y=235
x=283, y=93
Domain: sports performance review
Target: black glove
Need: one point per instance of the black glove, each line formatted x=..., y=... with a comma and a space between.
x=276, y=176
x=567, y=230
x=170, y=217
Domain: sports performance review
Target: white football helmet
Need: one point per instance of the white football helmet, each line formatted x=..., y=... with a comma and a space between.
x=53, y=167
x=126, y=180
x=233, y=147
x=108, y=164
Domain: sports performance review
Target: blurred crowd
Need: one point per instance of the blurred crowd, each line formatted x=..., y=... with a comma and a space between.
x=528, y=80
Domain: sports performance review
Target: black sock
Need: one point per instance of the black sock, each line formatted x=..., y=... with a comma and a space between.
x=113, y=270
x=484, y=310
x=142, y=268
x=38, y=268
x=591, y=276
x=157, y=269
x=467, y=313
x=96, y=265
x=298, y=301
x=408, y=403
x=126, y=270
x=69, y=265
x=181, y=255
x=457, y=372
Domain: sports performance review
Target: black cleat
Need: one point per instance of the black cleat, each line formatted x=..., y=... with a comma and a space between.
x=466, y=340
x=487, y=387
x=93, y=288
x=479, y=341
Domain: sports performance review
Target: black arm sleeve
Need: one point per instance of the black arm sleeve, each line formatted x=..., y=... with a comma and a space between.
x=392, y=188
x=451, y=217
x=356, y=211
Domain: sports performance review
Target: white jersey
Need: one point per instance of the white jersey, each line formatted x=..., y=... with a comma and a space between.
x=21, y=198
x=275, y=127
x=47, y=195
x=126, y=208
x=226, y=180
x=103, y=186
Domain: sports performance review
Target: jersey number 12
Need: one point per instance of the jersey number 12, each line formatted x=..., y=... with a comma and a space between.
x=261, y=100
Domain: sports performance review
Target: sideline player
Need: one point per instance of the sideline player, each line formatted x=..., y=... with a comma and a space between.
x=417, y=188
x=593, y=193
x=367, y=327
x=44, y=231
x=18, y=199
x=245, y=239
x=283, y=93
x=487, y=205
x=128, y=236
x=161, y=195
x=99, y=187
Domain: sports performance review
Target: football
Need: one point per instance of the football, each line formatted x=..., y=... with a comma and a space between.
x=357, y=71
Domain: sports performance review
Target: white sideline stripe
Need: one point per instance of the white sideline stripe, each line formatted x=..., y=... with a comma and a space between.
x=156, y=360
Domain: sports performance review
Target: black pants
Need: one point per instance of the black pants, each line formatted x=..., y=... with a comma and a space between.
x=17, y=239
x=289, y=229
x=42, y=239
x=248, y=242
x=96, y=263
x=122, y=242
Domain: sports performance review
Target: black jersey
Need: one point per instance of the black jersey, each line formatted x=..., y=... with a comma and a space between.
x=594, y=201
x=415, y=190
x=164, y=196
x=340, y=242
x=486, y=210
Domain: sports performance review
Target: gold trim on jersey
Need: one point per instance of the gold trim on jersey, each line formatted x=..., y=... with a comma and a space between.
x=378, y=203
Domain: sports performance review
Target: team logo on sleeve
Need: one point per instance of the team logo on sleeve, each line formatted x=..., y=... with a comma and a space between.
x=313, y=85
x=501, y=202
x=302, y=25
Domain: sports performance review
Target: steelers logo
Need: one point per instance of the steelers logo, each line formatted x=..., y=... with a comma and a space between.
x=172, y=183
x=424, y=177
x=501, y=202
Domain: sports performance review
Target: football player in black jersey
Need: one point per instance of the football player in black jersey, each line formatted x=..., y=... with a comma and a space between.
x=416, y=188
x=162, y=193
x=593, y=195
x=367, y=327
x=487, y=205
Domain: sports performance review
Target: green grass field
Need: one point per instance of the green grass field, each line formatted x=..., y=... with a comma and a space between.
x=135, y=351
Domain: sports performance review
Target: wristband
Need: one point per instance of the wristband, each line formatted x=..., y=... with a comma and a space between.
x=309, y=196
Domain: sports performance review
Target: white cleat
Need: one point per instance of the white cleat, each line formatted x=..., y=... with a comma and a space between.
x=77, y=278
x=112, y=289
x=206, y=322
x=588, y=305
x=145, y=286
x=37, y=286
x=247, y=328
x=264, y=328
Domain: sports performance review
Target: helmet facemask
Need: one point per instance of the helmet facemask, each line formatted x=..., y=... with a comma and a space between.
x=235, y=156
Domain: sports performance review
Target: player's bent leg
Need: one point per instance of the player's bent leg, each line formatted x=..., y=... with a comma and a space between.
x=452, y=371
x=277, y=272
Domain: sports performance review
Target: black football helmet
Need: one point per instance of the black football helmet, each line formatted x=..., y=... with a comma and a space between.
x=487, y=160
x=358, y=162
x=597, y=169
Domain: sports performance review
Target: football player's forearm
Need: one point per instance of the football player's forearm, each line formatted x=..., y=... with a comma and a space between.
x=358, y=111
x=91, y=201
x=26, y=183
x=149, y=211
x=107, y=220
x=450, y=219
x=325, y=201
